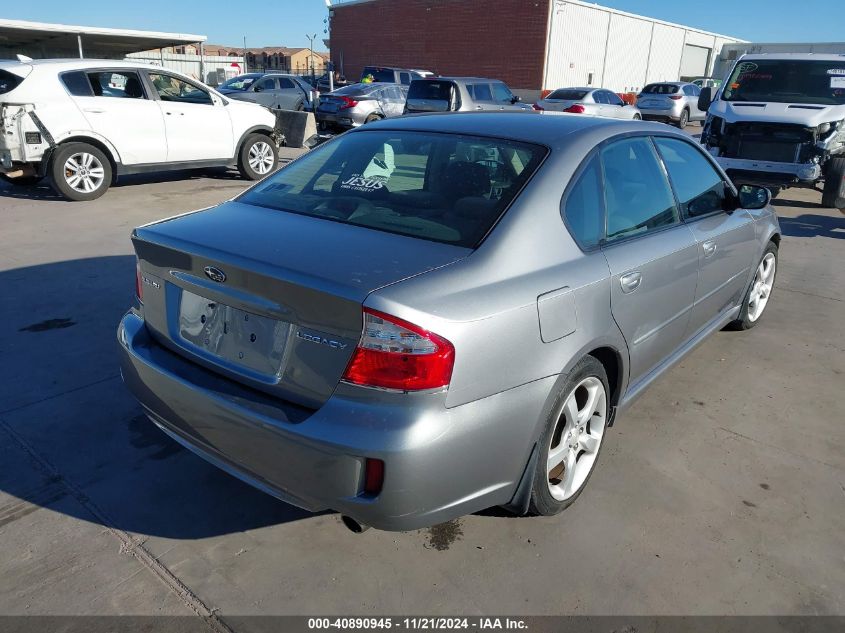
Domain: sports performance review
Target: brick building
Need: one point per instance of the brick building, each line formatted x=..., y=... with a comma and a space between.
x=529, y=44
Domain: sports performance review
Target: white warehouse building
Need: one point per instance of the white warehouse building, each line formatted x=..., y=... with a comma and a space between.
x=592, y=45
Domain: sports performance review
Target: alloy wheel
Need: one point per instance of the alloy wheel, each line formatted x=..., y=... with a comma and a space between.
x=261, y=158
x=84, y=172
x=574, y=444
x=761, y=290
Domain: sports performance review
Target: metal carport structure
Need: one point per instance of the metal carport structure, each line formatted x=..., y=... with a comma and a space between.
x=41, y=40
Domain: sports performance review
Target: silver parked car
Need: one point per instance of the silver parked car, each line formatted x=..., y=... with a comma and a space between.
x=357, y=104
x=275, y=90
x=671, y=102
x=460, y=94
x=591, y=101
x=433, y=315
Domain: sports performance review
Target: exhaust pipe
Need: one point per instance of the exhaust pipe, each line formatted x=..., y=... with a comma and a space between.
x=353, y=525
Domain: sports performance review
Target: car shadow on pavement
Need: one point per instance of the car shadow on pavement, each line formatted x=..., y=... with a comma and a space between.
x=43, y=190
x=812, y=225
x=68, y=424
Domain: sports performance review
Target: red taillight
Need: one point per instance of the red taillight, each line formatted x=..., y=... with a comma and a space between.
x=373, y=476
x=347, y=103
x=395, y=354
x=139, y=288
x=675, y=97
x=575, y=109
x=538, y=107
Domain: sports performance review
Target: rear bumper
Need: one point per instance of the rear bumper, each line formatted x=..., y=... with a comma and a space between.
x=340, y=120
x=439, y=463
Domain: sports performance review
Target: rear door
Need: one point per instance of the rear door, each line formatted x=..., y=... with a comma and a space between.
x=290, y=96
x=197, y=126
x=266, y=92
x=652, y=255
x=726, y=241
x=482, y=96
x=614, y=106
x=117, y=106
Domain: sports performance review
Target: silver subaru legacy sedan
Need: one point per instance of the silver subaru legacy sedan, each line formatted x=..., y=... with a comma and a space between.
x=433, y=315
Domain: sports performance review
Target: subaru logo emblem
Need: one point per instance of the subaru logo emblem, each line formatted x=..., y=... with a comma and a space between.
x=215, y=274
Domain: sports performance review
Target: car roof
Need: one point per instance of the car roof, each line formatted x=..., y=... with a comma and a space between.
x=543, y=128
x=587, y=88
x=824, y=57
x=667, y=83
x=459, y=79
x=80, y=64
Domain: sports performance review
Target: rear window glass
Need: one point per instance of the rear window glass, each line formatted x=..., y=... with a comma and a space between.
x=441, y=187
x=379, y=74
x=568, y=95
x=423, y=89
x=77, y=84
x=660, y=89
x=8, y=81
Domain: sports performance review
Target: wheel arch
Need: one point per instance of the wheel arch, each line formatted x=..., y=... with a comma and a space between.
x=101, y=144
x=255, y=129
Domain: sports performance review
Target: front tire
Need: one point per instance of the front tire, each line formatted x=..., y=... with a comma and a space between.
x=258, y=157
x=80, y=172
x=572, y=439
x=757, y=298
x=834, y=184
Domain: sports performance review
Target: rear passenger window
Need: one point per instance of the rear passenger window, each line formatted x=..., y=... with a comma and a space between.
x=637, y=195
x=119, y=85
x=481, y=92
x=266, y=84
x=285, y=83
x=405, y=78
x=583, y=208
x=77, y=84
x=698, y=186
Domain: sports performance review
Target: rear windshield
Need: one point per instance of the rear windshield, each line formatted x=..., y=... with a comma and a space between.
x=441, y=187
x=379, y=74
x=568, y=95
x=660, y=89
x=787, y=81
x=8, y=81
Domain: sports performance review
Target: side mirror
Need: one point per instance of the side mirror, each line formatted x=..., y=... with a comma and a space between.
x=705, y=98
x=516, y=99
x=754, y=197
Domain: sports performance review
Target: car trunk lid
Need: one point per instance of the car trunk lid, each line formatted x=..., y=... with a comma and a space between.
x=270, y=298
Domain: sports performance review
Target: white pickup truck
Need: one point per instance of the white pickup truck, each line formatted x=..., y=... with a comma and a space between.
x=779, y=121
x=83, y=123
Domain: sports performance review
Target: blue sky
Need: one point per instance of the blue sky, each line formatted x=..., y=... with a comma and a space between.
x=286, y=22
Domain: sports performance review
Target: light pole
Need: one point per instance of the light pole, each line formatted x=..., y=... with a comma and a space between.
x=311, y=39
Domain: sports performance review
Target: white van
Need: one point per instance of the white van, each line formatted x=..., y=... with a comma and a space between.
x=83, y=123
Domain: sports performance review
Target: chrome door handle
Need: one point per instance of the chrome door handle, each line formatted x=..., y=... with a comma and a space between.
x=709, y=248
x=631, y=281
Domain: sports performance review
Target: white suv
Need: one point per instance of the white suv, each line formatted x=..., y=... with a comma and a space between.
x=82, y=123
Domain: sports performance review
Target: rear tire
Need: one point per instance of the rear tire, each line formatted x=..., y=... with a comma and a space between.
x=637, y=117
x=833, y=194
x=80, y=172
x=372, y=117
x=258, y=157
x=684, y=119
x=573, y=434
x=760, y=291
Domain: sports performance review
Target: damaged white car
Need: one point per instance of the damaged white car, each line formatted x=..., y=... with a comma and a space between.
x=779, y=121
x=83, y=123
